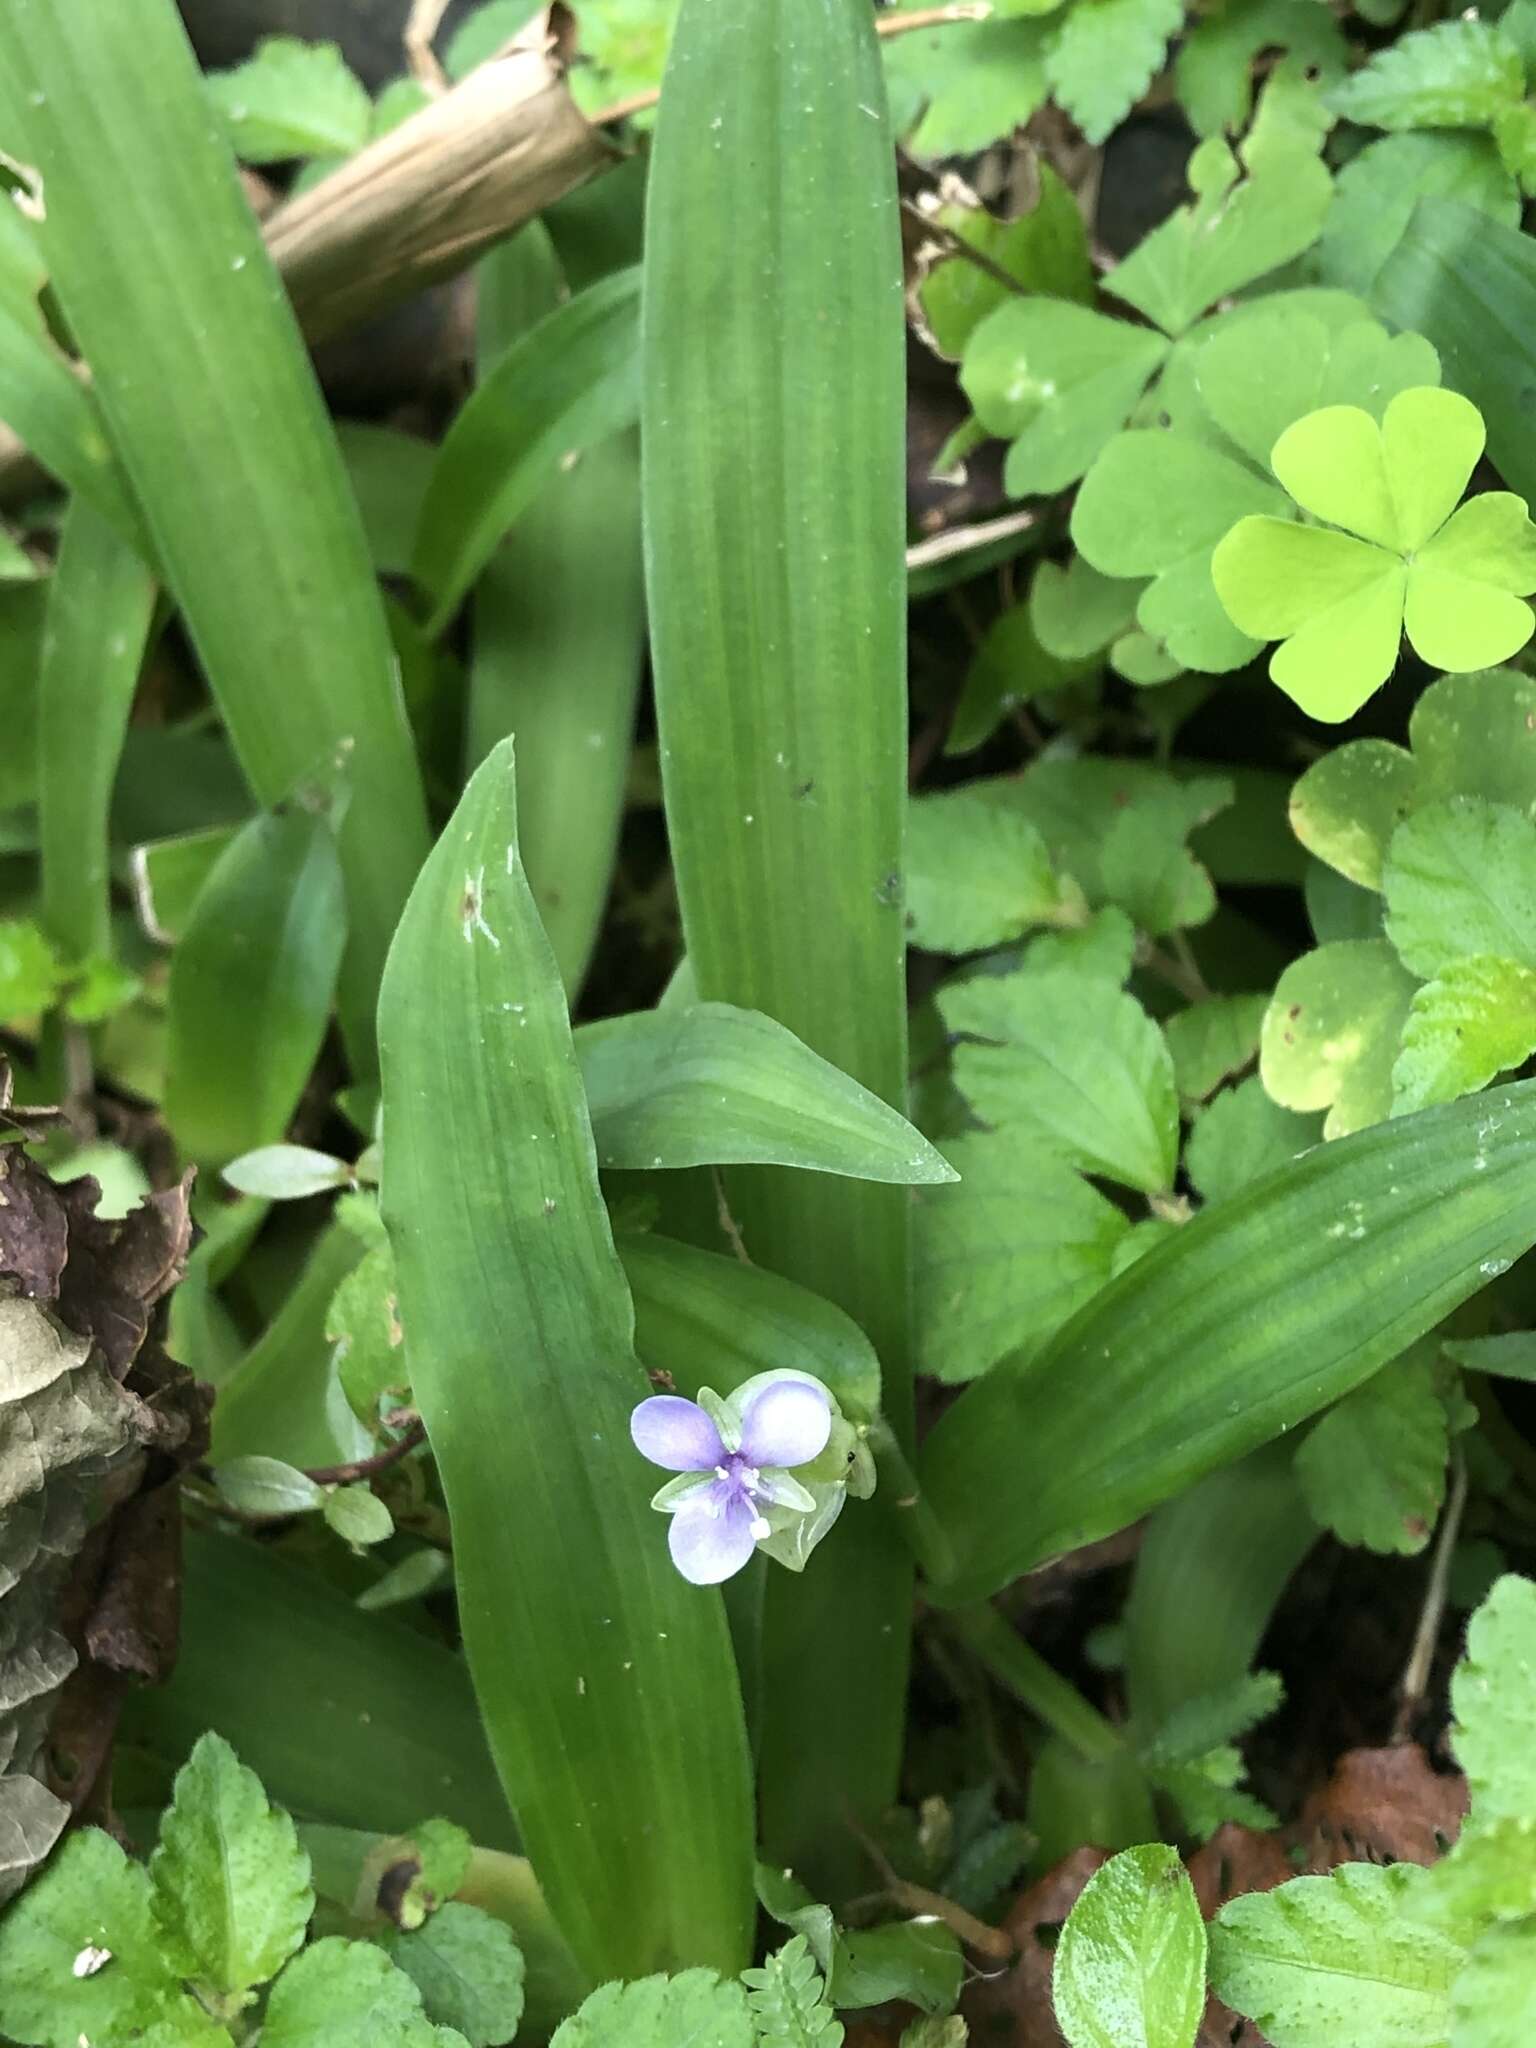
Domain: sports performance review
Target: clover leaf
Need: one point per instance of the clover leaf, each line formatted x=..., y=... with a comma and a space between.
x=1394, y=554
x=1158, y=498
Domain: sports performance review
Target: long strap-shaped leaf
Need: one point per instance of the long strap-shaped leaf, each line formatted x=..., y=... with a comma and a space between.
x=605, y=1681
x=1253, y=1317
x=99, y=609
x=210, y=399
x=773, y=480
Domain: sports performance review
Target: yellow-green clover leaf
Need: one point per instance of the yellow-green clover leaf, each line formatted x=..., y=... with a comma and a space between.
x=1393, y=554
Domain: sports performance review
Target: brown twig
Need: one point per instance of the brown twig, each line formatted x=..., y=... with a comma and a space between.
x=990, y=1942
x=368, y=1468
x=1415, y=1679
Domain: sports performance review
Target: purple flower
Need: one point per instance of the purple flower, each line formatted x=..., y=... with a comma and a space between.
x=741, y=1465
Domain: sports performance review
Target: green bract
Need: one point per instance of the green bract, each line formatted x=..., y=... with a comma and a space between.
x=1394, y=555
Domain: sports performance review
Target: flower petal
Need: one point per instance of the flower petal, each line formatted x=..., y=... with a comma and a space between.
x=676, y=1434
x=787, y=1424
x=710, y=1543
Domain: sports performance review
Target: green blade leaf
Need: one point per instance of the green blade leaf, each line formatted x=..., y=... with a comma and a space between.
x=571, y=382
x=231, y=1885
x=100, y=603
x=1328, y=1959
x=345, y=1716
x=712, y=1321
x=774, y=504
x=607, y=1687
x=714, y=1084
x=1130, y=1966
x=1245, y=1322
x=162, y=275
x=251, y=985
x=1469, y=285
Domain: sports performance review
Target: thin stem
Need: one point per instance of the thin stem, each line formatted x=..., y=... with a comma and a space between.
x=1415, y=1679
x=1025, y=1673
x=926, y=1536
x=368, y=1468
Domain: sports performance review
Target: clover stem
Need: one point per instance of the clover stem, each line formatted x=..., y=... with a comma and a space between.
x=1025, y=1673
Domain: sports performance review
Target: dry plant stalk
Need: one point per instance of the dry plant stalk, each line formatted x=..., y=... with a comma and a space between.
x=423, y=201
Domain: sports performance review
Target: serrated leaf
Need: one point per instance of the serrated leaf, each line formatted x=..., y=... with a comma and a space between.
x=358, y=1516
x=348, y=1994
x=1213, y=1040
x=1493, y=2001
x=1003, y=1258
x=1075, y=1061
x=956, y=89
x=1057, y=380
x=266, y=1486
x=978, y=875
x=31, y=972
x=231, y=1886
x=468, y=1969
x=1489, y=1876
x=81, y=1956
x=1493, y=1698
x=1239, y=227
x=1323, y=1960
x=1208, y=1792
x=1373, y=1469
x=1460, y=881
x=788, y=2000
x=1156, y=504
x=1332, y=1031
x=1130, y=1965
x=1375, y=194
x=658, y=2012
x=1213, y=74
x=1241, y=1135
x=1477, y=1019
x=293, y=98
x=1197, y=1726
x=1145, y=864
x=1458, y=74
x=1101, y=58
x=1043, y=250
x=709, y=1083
